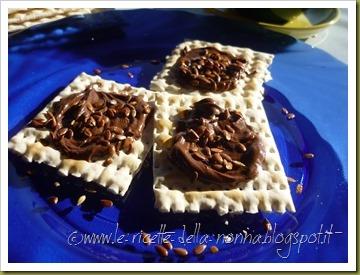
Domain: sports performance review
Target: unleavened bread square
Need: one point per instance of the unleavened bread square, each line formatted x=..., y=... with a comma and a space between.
x=22, y=18
x=256, y=68
x=175, y=191
x=117, y=176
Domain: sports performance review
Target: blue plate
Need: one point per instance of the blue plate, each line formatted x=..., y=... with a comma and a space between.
x=307, y=81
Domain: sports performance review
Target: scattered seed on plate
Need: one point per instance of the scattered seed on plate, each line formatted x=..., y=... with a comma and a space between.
x=130, y=75
x=267, y=225
x=291, y=180
x=199, y=249
x=97, y=71
x=81, y=200
x=290, y=116
x=214, y=249
x=125, y=66
x=53, y=199
x=182, y=252
x=309, y=155
x=299, y=188
x=56, y=184
x=284, y=111
x=167, y=244
x=106, y=203
x=162, y=251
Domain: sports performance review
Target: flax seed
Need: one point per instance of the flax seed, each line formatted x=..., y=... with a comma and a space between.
x=226, y=156
x=106, y=203
x=126, y=111
x=227, y=135
x=242, y=147
x=214, y=249
x=290, y=116
x=53, y=199
x=218, y=166
x=81, y=200
x=193, y=134
x=182, y=252
x=117, y=130
x=284, y=111
x=127, y=145
x=238, y=163
x=291, y=180
x=161, y=251
x=207, y=151
x=228, y=165
x=230, y=129
x=299, y=188
x=309, y=155
x=92, y=122
x=37, y=122
x=198, y=250
x=267, y=225
x=97, y=71
x=199, y=156
x=216, y=150
x=107, y=135
x=87, y=132
x=167, y=244
x=217, y=157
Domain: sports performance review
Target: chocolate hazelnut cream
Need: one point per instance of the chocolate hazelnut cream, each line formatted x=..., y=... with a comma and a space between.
x=209, y=69
x=215, y=145
x=94, y=125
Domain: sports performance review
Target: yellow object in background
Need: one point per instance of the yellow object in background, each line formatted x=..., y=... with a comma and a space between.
x=299, y=23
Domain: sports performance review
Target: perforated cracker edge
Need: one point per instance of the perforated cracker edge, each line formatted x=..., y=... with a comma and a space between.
x=175, y=192
x=257, y=67
x=118, y=175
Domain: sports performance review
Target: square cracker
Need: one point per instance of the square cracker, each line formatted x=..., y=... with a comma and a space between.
x=256, y=68
x=118, y=175
x=22, y=18
x=174, y=191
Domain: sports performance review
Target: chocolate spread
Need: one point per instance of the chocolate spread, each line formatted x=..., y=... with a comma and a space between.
x=216, y=145
x=94, y=125
x=209, y=69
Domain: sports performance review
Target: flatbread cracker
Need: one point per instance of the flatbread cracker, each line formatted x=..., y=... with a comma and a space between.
x=117, y=176
x=257, y=64
x=174, y=191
